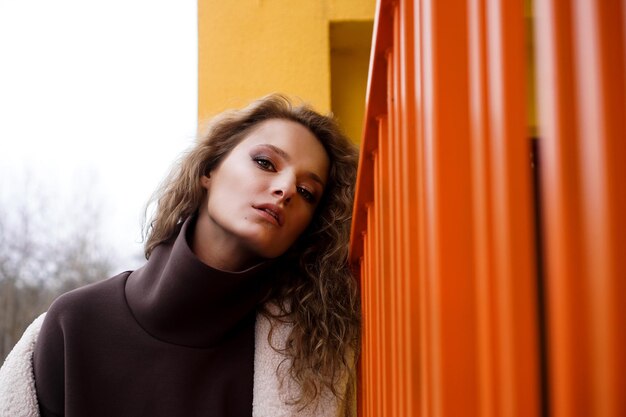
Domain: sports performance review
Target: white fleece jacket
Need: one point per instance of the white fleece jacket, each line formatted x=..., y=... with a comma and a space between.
x=18, y=397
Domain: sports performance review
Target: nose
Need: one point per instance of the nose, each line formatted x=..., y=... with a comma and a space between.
x=284, y=189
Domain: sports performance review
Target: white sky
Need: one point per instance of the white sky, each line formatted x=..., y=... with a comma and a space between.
x=97, y=98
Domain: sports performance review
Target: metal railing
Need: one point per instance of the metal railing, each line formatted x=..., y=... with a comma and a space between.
x=453, y=241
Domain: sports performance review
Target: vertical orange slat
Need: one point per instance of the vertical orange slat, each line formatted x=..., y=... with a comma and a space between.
x=601, y=82
x=567, y=305
x=409, y=294
x=390, y=337
x=512, y=210
x=363, y=367
x=376, y=228
x=400, y=203
x=365, y=360
x=387, y=225
x=581, y=58
x=489, y=393
x=505, y=266
x=449, y=209
x=370, y=319
x=379, y=293
x=392, y=176
x=426, y=373
x=365, y=384
x=377, y=321
x=376, y=314
x=379, y=185
x=371, y=192
x=375, y=305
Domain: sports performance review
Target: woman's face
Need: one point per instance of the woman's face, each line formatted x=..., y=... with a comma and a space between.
x=262, y=195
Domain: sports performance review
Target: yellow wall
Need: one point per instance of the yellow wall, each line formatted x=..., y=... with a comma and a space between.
x=249, y=48
x=349, y=65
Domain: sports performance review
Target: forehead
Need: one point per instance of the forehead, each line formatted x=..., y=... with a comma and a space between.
x=299, y=144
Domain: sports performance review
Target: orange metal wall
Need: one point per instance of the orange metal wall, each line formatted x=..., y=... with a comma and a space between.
x=455, y=322
x=582, y=101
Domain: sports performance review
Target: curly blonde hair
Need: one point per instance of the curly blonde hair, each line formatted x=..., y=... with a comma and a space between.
x=318, y=294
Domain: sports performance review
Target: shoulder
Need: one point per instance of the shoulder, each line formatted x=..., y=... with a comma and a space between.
x=17, y=382
x=84, y=302
x=74, y=313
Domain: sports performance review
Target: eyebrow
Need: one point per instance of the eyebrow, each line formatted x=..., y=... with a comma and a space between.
x=287, y=158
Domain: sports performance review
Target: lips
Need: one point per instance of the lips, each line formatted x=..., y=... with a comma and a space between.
x=272, y=211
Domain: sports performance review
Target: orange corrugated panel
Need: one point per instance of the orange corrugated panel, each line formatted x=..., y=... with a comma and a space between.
x=443, y=194
x=581, y=70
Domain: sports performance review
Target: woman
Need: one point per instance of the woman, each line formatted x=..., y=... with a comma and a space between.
x=246, y=305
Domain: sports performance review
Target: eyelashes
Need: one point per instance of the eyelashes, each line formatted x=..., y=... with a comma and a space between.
x=266, y=164
x=307, y=195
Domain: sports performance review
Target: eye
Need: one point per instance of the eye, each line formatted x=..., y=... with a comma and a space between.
x=264, y=163
x=306, y=194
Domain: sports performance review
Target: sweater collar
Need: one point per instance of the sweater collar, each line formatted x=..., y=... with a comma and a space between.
x=178, y=299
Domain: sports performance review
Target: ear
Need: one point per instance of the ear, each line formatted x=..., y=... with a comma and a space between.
x=205, y=181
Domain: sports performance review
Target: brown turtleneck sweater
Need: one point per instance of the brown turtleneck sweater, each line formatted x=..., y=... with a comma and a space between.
x=174, y=338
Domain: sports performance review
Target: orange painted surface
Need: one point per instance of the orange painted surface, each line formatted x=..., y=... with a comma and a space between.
x=504, y=236
x=444, y=231
x=582, y=106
